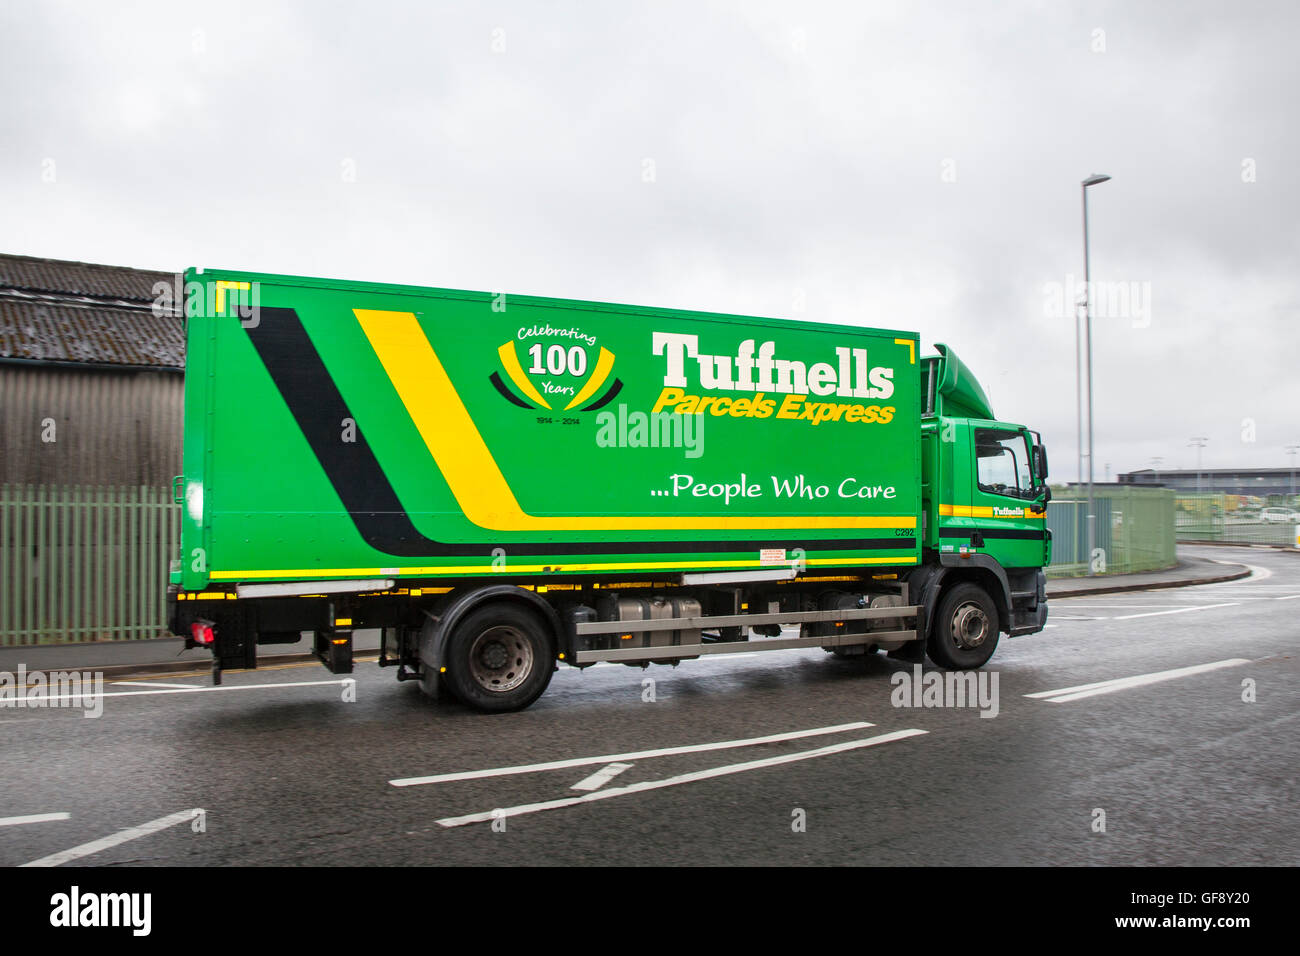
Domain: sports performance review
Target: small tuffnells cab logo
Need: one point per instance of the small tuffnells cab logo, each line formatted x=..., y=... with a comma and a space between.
x=561, y=369
x=77, y=909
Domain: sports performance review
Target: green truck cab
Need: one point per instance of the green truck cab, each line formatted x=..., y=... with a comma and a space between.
x=503, y=484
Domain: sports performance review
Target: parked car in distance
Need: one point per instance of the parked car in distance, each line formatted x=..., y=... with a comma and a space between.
x=1280, y=516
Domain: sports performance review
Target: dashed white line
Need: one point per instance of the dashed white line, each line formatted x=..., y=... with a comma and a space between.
x=677, y=780
x=32, y=818
x=108, y=842
x=601, y=777
x=1181, y=610
x=632, y=756
x=1081, y=691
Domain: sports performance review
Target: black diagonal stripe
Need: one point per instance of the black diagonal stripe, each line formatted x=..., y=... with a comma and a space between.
x=607, y=397
x=320, y=411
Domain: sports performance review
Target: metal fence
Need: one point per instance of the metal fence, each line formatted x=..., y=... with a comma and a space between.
x=1227, y=518
x=1134, y=530
x=90, y=564
x=84, y=564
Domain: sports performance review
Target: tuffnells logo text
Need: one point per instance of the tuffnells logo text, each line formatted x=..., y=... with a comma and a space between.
x=756, y=370
x=75, y=909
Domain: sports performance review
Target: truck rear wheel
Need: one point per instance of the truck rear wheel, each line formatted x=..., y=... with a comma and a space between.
x=500, y=658
x=965, y=631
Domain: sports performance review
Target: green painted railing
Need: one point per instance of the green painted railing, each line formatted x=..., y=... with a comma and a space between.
x=1133, y=528
x=1212, y=517
x=84, y=564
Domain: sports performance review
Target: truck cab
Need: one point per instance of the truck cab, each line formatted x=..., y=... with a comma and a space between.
x=984, y=507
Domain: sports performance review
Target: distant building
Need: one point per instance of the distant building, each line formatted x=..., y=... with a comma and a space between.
x=1260, y=482
x=91, y=379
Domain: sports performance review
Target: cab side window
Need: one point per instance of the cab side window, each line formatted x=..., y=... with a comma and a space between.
x=1002, y=463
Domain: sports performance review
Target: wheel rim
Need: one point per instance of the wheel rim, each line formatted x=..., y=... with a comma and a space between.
x=500, y=659
x=970, y=626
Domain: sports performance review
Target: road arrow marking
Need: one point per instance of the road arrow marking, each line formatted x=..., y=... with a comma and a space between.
x=634, y=755
x=678, y=780
x=601, y=777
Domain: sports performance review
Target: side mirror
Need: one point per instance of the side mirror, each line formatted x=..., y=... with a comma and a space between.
x=1040, y=463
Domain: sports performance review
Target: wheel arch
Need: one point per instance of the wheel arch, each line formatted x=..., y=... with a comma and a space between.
x=933, y=581
x=441, y=622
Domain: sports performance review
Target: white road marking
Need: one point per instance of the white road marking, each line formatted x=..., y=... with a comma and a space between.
x=1257, y=573
x=1181, y=610
x=1081, y=691
x=1287, y=597
x=140, y=683
x=205, y=690
x=122, y=836
x=677, y=780
x=1121, y=607
x=601, y=777
x=635, y=755
x=32, y=818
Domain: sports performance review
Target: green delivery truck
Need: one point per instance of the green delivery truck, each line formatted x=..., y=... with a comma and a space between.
x=502, y=484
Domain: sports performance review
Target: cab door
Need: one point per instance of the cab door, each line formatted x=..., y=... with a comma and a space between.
x=1002, y=523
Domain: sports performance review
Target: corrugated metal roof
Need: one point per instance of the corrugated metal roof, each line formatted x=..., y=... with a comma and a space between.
x=47, y=332
x=54, y=311
x=79, y=278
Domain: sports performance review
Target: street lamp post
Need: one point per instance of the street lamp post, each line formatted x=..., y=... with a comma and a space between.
x=1092, y=180
x=1199, y=443
x=1291, y=450
x=1078, y=395
x=1157, y=461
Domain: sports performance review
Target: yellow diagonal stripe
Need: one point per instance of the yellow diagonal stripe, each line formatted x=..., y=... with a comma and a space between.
x=473, y=475
x=603, y=365
x=511, y=362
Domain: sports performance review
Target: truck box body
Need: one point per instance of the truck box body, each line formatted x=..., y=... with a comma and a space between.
x=502, y=483
x=340, y=430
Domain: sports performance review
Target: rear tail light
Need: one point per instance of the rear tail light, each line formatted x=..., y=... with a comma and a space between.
x=202, y=633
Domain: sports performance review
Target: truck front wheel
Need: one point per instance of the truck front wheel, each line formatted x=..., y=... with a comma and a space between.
x=500, y=658
x=965, y=631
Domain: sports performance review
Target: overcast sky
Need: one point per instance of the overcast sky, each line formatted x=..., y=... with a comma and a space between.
x=909, y=166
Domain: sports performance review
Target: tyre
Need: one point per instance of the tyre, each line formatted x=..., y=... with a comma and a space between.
x=499, y=658
x=965, y=631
